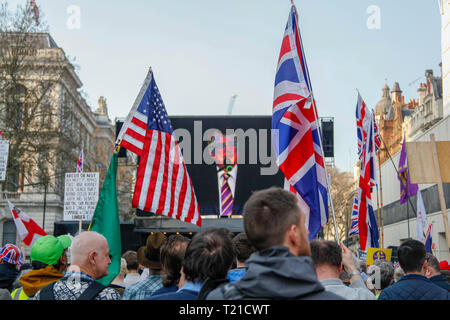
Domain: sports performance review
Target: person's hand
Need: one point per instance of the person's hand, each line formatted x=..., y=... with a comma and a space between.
x=347, y=259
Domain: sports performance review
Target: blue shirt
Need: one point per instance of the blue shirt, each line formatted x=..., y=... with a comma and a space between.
x=143, y=289
x=236, y=274
x=189, y=291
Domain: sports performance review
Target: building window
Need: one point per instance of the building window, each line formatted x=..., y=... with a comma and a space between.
x=9, y=233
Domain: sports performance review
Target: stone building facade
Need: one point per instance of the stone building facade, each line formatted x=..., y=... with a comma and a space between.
x=396, y=118
x=91, y=131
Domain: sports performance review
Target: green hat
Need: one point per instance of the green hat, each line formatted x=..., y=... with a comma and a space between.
x=47, y=249
x=65, y=240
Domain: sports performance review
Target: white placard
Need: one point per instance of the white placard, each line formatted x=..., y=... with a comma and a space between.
x=4, y=149
x=80, y=195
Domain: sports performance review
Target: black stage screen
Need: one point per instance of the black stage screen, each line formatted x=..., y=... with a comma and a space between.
x=256, y=167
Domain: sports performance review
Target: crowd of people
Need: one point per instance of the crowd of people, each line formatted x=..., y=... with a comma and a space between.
x=272, y=259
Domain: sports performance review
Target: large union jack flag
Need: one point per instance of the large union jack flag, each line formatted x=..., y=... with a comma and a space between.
x=296, y=135
x=163, y=185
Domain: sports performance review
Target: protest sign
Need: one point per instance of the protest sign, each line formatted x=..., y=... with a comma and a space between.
x=4, y=149
x=80, y=195
x=374, y=254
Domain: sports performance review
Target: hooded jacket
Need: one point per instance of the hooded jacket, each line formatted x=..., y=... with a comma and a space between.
x=35, y=280
x=275, y=273
x=8, y=273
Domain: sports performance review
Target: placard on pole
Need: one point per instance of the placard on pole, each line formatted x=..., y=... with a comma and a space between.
x=428, y=162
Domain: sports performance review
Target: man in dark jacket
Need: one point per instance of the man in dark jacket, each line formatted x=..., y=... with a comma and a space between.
x=11, y=258
x=282, y=267
x=433, y=272
x=414, y=285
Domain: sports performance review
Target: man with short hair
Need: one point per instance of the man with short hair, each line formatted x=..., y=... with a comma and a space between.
x=414, y=285
x=330, y=260
x=172, y=256
x=151, y=256
x=244, y=250
x=90, y=260
x=282, y=268
x=433, y=272
x=132, y=276
x=208, y=256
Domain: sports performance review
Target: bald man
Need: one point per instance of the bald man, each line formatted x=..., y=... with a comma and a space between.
x=90, y=261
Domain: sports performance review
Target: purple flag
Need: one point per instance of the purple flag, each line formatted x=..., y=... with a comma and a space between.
x=407, y=189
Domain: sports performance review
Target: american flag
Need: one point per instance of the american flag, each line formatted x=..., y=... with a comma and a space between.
x=80, y=162
x=296, y=136
x=367, y=225
x=363, y=115
x=163, y=185
x=354, y=227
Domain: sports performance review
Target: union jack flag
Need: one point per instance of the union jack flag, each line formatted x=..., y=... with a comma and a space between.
x=354, y=228
x=36, y=11
x=80, y=162
x=363, y=115
x=296, y=136
x=163, y=185
x=367, y=224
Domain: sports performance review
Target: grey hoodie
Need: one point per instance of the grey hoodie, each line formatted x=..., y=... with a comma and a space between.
x=275, y=273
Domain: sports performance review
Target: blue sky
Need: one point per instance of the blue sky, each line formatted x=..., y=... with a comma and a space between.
x=204, y=51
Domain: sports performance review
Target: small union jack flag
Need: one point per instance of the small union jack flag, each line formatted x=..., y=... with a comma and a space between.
x=80, y=162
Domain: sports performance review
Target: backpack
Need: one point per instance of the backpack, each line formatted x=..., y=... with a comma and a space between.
x=89, y=294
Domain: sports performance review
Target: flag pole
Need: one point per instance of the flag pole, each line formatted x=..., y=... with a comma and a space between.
x=396, y=170
x=381, y=200
x=316, y=117
x=138, y=100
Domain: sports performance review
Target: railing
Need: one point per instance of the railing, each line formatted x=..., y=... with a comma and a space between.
x=29, y=196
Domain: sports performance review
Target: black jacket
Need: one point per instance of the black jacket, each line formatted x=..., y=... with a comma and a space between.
x=8, y=274
x=275, y=273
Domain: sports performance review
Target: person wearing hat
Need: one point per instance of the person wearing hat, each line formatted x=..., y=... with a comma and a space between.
x=49, y=262
x=90, y=259
x=11, y=258
x=149, y=257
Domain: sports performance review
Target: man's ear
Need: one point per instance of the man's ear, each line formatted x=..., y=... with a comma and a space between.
x=340, y=268
x=293, y=235
x=91, y=257
x=425, y=267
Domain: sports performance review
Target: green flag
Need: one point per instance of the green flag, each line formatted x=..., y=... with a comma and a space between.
x=106, y=221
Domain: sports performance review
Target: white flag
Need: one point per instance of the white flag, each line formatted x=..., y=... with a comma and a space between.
x=29, y=231
x=421, y=217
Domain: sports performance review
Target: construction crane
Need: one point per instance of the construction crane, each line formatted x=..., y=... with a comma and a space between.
x=231, y=104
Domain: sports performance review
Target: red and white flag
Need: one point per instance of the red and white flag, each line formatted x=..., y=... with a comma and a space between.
x=29, y=231
x=163, y=185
